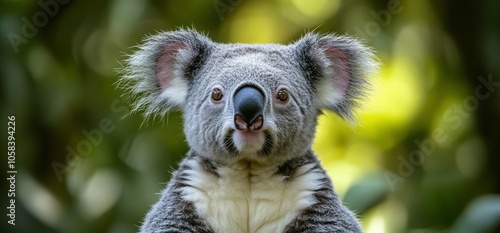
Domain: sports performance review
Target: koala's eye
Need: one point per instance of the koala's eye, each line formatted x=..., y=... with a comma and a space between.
x=217, y=94
x=282, y=95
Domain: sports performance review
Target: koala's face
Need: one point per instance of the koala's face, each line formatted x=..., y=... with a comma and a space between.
x=251, y=102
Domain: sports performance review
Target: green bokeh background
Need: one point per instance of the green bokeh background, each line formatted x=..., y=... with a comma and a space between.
x=423, y=158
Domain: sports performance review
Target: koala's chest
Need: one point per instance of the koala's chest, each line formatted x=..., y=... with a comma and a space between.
x=245, y=200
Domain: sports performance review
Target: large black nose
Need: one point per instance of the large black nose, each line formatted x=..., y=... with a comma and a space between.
x=248, y=108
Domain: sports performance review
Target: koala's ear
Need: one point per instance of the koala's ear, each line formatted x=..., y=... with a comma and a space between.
x=158, y=74
x=338, y=68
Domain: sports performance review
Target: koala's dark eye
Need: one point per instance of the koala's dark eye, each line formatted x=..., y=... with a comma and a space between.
x=217, y=94
x=282, y=95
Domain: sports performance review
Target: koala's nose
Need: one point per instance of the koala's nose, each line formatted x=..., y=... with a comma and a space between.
x=248, y=108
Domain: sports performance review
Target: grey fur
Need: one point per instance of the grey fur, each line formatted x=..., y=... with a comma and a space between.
x=196, y=64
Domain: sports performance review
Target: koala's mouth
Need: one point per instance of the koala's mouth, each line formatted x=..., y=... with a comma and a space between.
x=244, y=142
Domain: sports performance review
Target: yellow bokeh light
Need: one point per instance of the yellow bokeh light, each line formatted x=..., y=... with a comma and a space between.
x=317, y=9
x=389, y=216
x=343, y=175
x=257, y=17
x=395, y=102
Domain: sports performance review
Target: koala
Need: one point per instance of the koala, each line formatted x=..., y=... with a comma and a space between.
x=250, y=113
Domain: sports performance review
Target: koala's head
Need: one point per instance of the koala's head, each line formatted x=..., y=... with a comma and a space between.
x=246, y=101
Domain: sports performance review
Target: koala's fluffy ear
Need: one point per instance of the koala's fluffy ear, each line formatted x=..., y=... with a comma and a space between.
x=337, y=68
x=157, y=76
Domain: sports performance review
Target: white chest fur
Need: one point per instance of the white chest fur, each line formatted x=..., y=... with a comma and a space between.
x=249, y=199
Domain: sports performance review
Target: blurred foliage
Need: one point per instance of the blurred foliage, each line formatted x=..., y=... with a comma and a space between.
x=424, y=157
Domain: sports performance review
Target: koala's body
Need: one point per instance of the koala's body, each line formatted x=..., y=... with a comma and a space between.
x=250, y=113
